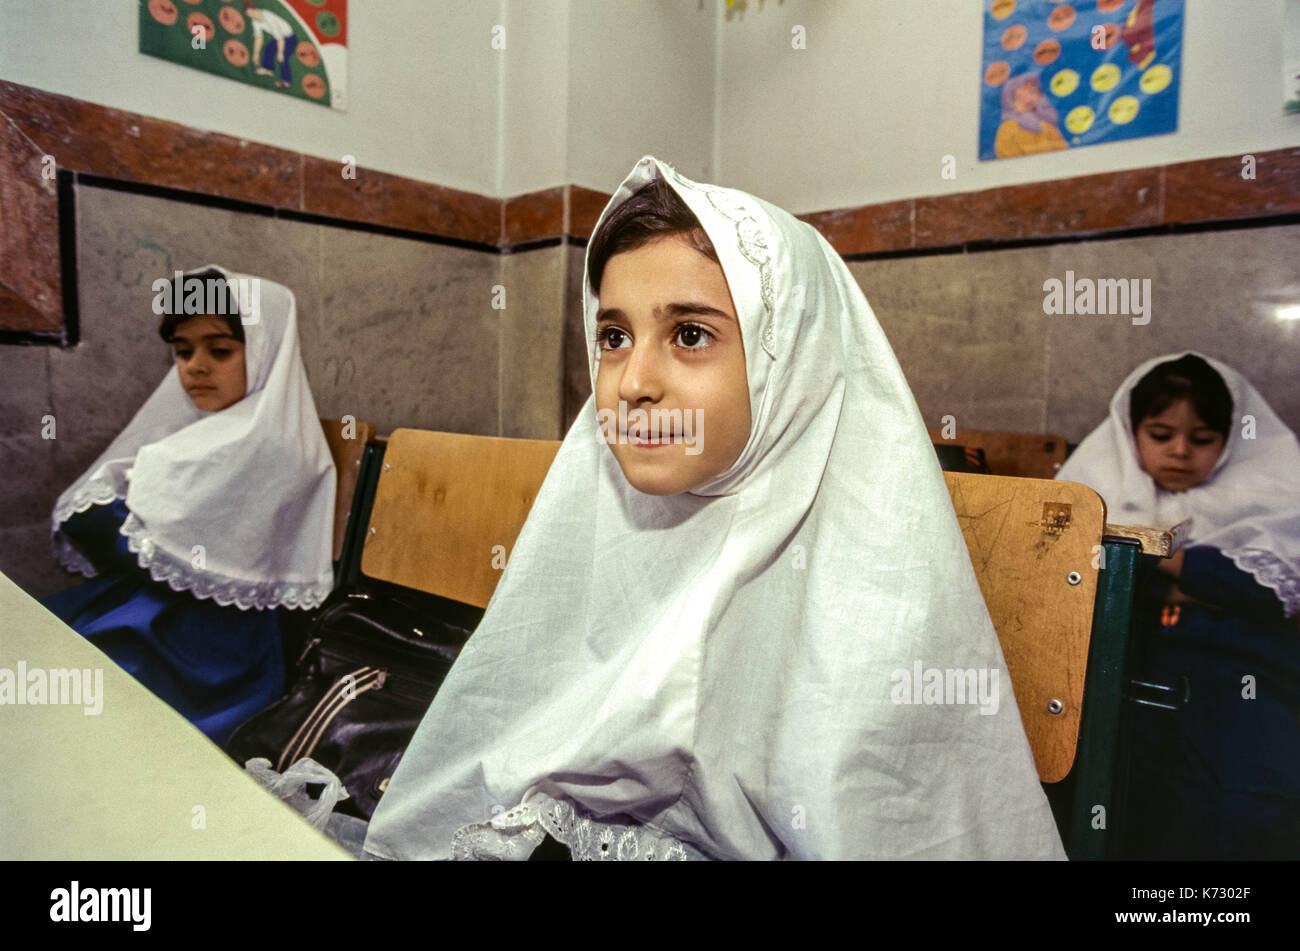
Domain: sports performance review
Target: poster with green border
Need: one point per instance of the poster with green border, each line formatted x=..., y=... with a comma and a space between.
x=294, y=47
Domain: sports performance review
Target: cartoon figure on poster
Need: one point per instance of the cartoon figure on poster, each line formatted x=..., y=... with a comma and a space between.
x=283, y=42
x=1060, y=75
x=296, y=47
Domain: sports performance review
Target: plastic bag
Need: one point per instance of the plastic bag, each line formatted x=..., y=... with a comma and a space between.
x=291, y=787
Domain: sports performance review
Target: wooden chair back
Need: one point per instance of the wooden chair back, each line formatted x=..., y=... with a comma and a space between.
x=448, y=508
x=1035, y=545
x=347, y=441
x=1025, y=455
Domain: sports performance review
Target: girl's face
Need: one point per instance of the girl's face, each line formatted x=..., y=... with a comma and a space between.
x=1025, y=97
x=1177, y=449
x=209, y=362
x=671, y=348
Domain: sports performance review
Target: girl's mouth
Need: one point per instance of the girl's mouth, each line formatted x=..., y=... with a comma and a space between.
x=651, y=442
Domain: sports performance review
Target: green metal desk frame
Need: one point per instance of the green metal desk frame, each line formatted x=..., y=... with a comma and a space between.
x=1088, y=803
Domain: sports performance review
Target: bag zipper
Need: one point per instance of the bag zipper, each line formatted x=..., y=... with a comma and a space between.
x=346, y=689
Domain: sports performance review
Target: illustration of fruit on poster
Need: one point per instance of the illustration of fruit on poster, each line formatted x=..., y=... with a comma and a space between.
x=1064, y=75
x=295, y=47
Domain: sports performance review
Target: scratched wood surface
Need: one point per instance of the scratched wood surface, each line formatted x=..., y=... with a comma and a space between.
x=1031, y=455
x=1154, y=541
x=444, y=503
x=347, y=444
x=1026, y=537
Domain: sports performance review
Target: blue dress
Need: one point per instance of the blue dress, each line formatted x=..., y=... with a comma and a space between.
x=1219, y=778
x=214, y=665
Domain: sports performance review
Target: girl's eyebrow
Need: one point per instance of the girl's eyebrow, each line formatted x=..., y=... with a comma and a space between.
x=1195, y=429
x=180, y=338
x=670, y=312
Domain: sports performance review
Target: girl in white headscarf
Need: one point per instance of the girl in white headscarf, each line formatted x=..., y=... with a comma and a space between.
x=213, y=508
x=1189, y=440
x=743, y=543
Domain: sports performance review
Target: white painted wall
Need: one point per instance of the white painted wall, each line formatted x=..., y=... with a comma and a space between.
x=535, y=98
x=593, y=85
x=641, y=82
x=586, y=87
x=422, y=103
x=885, y=88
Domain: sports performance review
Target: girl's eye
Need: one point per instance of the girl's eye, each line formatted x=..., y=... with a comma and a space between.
x=693, y=336
x=221, y=352
x=183, y=354
x=611, y=338
x=1203, y=441
x=1160, y=437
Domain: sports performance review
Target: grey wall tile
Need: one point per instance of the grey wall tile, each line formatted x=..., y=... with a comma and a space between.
x=408, y=336
x=955, y=322
x=1215, y=292
x=577, y=373
x=532, y=344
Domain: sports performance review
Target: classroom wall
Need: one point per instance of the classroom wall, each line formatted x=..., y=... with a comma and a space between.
x=971, y=335
x=591, y=86
x=582, y=89
x=400, y=331
x=886, y=88
x=396, y=331
x=864, y=114
x=423, y=83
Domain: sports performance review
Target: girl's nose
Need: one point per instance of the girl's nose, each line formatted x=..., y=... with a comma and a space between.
x=642, y=375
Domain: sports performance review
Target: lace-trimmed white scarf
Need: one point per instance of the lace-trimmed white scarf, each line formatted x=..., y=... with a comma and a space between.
x=236, y=505
x=711, y=674
x=1249, y=507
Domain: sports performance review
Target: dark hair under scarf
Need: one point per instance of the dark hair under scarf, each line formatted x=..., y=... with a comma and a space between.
x=1187, y=378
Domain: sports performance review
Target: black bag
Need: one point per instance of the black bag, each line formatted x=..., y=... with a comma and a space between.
x=375, y=657
x=954, y=458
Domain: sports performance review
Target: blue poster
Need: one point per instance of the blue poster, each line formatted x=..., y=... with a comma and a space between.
x=1060, y=75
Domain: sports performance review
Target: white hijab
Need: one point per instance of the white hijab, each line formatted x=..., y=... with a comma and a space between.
x=1248, y=507
x=236, y=505
x=711, y=674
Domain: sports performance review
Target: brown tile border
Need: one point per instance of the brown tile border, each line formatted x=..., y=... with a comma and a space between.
x=585, y=206
x=89, y=138
x=1108, y=202
x=1214, y=189
x=85, y=137
x=533, y=216
x=1203, y=191
x=393, y=201
x=889, y=226
x=31, y=298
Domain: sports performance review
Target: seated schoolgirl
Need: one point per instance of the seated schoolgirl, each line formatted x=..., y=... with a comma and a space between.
x=694, y=649
x=210, y=511
x=1189, y=440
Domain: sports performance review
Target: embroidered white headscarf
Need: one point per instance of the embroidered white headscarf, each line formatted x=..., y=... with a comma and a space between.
x=1248, y=507
x=235, y=505
x=712, y=674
